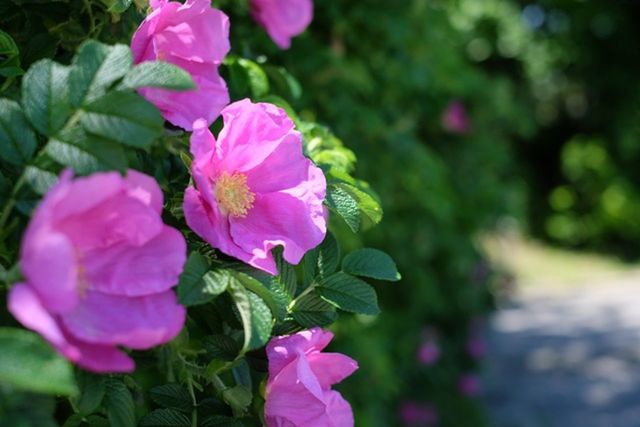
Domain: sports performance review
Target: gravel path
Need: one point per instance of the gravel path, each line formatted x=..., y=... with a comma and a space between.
x=568, y=358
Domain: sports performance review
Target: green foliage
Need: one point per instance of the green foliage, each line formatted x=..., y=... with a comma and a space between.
x=27, y=363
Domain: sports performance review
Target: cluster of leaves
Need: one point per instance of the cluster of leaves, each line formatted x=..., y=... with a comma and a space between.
x=81, y=111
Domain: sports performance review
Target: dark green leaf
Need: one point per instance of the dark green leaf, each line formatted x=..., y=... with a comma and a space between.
x=45, y=96
x=221, y=421
x=197, y=284
x=172, y=395
x=239, y=398
x=371, y=263
x=221, y=347
x=165, y=418
x=311, y=310
x=124, y=117
x=261, y=322
x=92, y=390
x=119, y=404
x=349, y=293
x=95, y=68
x=17, y=139
x=157, y=74
x=28, y=363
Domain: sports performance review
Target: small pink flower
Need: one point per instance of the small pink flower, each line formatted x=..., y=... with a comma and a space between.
x=476, y=347
x=254, y=189
x=428, y=353
x=455, y=118
x=469, y=385
x=415, y=414
x=283, y=19
x=99, y=265
x=300, y=378
x=194, y=37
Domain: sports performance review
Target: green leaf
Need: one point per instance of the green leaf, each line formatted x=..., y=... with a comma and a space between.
x=8, y=47
x=45, y=96
x=371, y=263
x=220, y=421
x=119, y=6
x=367, y=203
x=257, y=320
x=92, y=391
x=349, y=293
x=239, y=398
x=119, y=404
x=124, y=117
x=198, y=285
x=157, y=74
x=221, y=347
x=86, y=153
x=328, y=256
x=165, y=418
x=39, y=180
x=28, y=363
x=258, y=288
x=95, y=68
x=261, y=322
x=258, y=81
x=311, y=310
x=341, y=202
x=172, y=395
x=17, y=139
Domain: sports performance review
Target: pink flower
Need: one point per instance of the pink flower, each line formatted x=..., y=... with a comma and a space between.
x=428, y=353
x=283, y=19
x=418, y=415
x=254, y=189
x=469, y=385
x=455, y=118
x=99, y=265
x=476, y=347
x=300, y=378
x=192, y=36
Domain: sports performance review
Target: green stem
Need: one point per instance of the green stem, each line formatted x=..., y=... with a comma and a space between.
x=8, y=207
x=194, y=413
x=299, y=297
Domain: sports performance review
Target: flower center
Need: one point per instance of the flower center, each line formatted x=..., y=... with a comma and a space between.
x=233, y=194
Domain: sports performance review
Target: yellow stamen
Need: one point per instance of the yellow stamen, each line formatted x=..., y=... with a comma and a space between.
x=233, y=194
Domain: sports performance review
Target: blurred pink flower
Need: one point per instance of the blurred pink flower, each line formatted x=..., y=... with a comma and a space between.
x=455, y=118
x=194, y=37
x=99, y=265
x=283, y=19
x=415, y=414
x=428, y=353
x=476, y=347
x=469, y=385
x=254, y=189
x=300, y=378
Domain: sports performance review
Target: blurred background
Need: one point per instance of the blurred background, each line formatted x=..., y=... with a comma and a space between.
x=502, y=137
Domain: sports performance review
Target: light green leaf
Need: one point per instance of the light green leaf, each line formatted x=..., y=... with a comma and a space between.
x=45, y=96
x=124, y=117
x=349, y=293
x=17, y=139
x=39, y=180
x=95, y=68
x=371, y=263
x=28, y=363
x=261, y=322
x=341, y=202
x=157, y=74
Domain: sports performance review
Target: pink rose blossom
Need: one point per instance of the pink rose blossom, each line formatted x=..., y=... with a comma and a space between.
x=300, y=378
x=99, y=265
x=415, y=414
x=469, y=385
x=194, y=37
x=476, y=347
x=254, y=189
x=455, y=118
x=283, y=19
x=428, y=353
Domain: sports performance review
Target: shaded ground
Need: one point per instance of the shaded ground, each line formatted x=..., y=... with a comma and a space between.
x=565, y=349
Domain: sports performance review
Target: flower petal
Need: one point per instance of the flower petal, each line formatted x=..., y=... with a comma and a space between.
x=136, y=322
x=331, y=368
x=128, y=270
x=48, y=261
x=144, y=188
